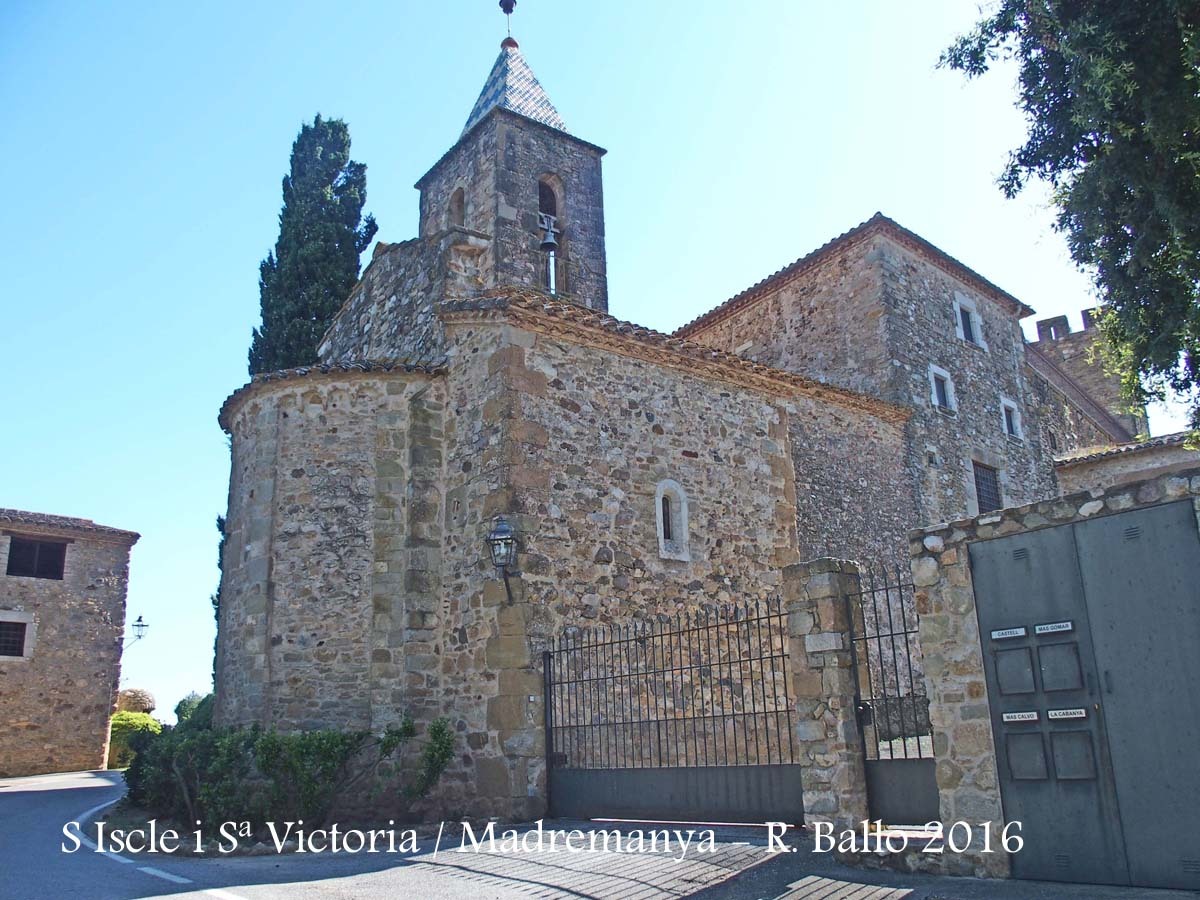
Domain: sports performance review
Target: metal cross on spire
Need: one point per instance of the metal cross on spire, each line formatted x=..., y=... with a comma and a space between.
x=507, y=6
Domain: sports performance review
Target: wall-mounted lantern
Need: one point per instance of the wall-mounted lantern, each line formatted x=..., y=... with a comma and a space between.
x=139, y=627
x=502, y=546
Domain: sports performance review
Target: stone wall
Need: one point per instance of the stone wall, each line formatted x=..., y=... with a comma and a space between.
x=1079, y=355
x=55, y=705
x=849, y=502
x=498, y=165
x=571, y=443
x=527, y=150
x=391, y=313
x=967, y=778
x=330, y=589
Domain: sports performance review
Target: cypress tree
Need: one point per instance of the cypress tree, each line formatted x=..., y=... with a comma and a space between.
x=322, y=232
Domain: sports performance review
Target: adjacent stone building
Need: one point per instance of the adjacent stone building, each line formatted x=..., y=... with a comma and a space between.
x=474, y=372
x=882, y=311
x=62, y=617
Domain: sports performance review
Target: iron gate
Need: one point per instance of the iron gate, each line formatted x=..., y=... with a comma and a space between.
x=893, y=708
x=687, y=718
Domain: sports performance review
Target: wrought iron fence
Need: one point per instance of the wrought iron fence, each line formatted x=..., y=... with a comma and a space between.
x=704, y=689
x=893, y=709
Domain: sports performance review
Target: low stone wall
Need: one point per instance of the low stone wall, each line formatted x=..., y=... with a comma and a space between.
x=967, y=778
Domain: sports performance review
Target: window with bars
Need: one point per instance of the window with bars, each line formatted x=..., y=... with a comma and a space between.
x=987, y=487
x=36, y=559
x=12, y=638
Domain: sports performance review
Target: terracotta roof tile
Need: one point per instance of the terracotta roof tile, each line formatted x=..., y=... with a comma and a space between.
x=35, y=521
x=427, y=367
x=1088, y=454
x=580, y=318
x=878, y=223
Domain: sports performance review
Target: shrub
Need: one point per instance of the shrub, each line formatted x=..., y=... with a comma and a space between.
x=197, y=771
x=124, y=731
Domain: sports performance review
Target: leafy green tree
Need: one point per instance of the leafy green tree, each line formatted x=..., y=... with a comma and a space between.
x=322, y=232
x=1110, y=92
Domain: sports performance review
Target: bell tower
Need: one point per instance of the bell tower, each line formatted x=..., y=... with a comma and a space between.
x=520, y=192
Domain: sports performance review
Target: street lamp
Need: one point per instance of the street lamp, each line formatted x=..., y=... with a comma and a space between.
x=502, y=545
x=139, y=630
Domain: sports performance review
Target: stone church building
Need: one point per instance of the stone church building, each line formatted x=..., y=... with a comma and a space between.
x=870, y=387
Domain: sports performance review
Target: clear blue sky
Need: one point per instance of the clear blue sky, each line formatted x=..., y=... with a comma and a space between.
x=144, y=146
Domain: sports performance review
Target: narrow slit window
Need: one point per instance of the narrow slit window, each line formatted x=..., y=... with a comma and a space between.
x=671, y=515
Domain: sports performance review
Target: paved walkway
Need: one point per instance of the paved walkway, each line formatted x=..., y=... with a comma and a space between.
x=32, y=866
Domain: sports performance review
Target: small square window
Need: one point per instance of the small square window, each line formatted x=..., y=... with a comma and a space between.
x=36, y=559
x=12, y=638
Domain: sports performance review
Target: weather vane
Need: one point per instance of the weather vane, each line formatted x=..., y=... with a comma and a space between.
x=507, y=6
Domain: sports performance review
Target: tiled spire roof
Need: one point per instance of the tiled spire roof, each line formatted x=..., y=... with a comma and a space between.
x=513, y=86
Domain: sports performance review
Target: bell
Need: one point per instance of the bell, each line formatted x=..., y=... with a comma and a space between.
x=549, y=242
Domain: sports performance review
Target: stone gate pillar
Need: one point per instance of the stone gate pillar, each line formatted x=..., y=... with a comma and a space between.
x=829, y=739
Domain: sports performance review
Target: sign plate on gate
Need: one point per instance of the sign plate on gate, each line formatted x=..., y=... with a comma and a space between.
x=1053, y=627
x=1026, y=716
x=1066, y=714
x=1008, y=633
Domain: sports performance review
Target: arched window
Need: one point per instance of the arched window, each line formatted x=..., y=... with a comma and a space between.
x=550, y=230
x=458, y=209
x=547, y=199
x=671, y=517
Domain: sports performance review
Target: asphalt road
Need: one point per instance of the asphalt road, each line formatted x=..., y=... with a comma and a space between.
x=33, y=866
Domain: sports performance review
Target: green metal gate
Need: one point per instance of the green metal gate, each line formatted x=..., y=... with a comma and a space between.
x=1091, y=637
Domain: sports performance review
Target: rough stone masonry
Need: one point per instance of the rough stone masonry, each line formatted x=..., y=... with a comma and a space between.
x=472, y=374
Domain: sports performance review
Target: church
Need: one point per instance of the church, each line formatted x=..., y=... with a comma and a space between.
x=474, y=375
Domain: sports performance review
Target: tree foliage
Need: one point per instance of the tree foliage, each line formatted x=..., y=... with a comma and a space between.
x=308, y=276
x=1109, y=90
